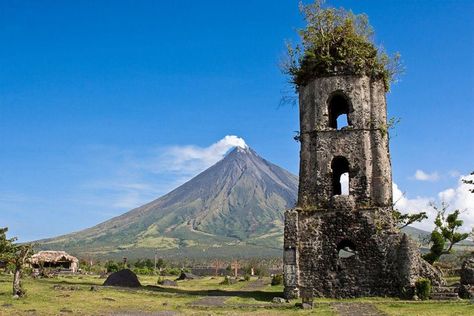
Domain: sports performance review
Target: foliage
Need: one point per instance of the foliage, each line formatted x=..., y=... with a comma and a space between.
x=466, y=181
x=15, y=255
x=423, y=288
x=337, y=42
x=247, y=277
x=445, y=235
x=277, y=279
x=403, y=220
x=112, y=266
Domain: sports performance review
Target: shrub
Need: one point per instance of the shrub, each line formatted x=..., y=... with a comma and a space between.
x=112, y=266
x=228, y=281
x=247, y=277
x=277, y=279
x=337, y=42
x=423, y=288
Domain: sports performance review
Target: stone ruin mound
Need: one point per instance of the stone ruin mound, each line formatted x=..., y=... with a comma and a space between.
x=123, y=278
x=186, y=276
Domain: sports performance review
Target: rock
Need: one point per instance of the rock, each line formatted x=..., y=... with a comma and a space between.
x=16, y=296
x=186, y=276
x=466, y=291
x=467, y=272
x=306, y=306
x=167, y=282
x=94, y=288
x=123, y=278
x=108, y=299
x=278, y=300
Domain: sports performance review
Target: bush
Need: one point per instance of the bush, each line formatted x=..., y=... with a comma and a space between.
x=112, y=266
x=337, y=42
x=228, y=281
x=171, y=271
x=277, y=279
x=423, y=288
x=247, y=277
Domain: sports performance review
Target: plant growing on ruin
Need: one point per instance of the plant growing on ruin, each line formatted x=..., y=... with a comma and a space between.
x=446, y=233
x=16, y=255
x=423, y=288
x=337, y=42
x=404, y=220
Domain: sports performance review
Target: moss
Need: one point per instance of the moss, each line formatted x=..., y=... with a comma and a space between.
x=337, y=42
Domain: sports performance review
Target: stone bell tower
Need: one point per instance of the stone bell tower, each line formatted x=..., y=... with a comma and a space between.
x=340, y=240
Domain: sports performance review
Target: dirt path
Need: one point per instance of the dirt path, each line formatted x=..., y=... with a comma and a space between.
x=219, y=301
x=356, y=309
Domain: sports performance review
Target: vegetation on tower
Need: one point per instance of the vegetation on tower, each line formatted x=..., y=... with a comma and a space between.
x=337, y=42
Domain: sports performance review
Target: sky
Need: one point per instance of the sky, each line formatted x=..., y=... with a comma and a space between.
x=106, y=105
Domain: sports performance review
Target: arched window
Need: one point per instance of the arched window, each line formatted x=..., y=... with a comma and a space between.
x=338, y=110
x=340, y=176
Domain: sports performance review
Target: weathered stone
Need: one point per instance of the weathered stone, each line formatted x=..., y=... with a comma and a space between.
x=167, y=282
x=467, y=272
x=339, y=245
x=278, y=300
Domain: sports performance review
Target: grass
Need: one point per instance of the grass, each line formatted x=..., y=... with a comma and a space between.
x=43, y=299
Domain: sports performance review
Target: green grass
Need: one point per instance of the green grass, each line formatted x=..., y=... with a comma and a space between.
x=44, y=300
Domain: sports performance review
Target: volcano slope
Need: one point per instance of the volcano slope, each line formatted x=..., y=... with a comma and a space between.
x=234, y=208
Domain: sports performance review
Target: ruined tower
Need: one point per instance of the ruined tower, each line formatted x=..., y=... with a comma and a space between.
x=340, y=240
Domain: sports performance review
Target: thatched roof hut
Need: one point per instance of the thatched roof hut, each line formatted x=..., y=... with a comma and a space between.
x=54, y=259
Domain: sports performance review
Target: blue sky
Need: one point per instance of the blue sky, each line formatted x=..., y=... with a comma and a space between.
x=98, y=99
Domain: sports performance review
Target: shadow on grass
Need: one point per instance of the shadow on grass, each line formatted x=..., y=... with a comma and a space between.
x=257, y=295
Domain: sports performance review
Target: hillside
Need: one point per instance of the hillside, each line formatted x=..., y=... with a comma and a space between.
x=235, y=206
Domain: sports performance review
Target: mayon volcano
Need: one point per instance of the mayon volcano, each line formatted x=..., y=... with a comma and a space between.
x=234, y=208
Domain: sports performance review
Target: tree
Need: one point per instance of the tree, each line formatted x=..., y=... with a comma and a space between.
x=16, y=254
x=446, y=234
x=337, y=42
x=471, y=182
x=403, y=220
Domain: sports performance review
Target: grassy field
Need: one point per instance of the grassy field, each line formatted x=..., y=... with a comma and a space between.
x=72, y=295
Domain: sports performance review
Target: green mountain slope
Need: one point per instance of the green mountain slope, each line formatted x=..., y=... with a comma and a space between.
x=237, y=204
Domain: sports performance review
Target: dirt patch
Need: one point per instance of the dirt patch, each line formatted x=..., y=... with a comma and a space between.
x=356, y=309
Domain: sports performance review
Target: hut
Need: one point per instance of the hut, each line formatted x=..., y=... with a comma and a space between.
x=55, y=259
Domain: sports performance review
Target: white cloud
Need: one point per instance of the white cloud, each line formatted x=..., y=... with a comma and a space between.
x=192, y=159
x=458, y=197
x=424, y=176
x=138, y=178
x=345, y=183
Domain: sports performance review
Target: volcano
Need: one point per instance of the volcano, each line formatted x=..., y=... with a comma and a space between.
x=235, y=207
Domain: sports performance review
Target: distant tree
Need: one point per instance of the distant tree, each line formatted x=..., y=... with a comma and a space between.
x=404, y=220
x=17, y=255
x=445, y=234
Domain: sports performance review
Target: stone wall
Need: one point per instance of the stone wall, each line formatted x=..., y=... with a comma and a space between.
x=347, y=245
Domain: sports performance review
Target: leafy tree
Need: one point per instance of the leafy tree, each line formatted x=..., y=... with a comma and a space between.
x=469, y=182
x=16, y=255
x=403, y=220
x=446, y=234
x=337, y=42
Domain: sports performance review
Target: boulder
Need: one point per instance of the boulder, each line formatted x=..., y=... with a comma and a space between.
x=186, y=276
x=278, y=300
x=123, y=278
